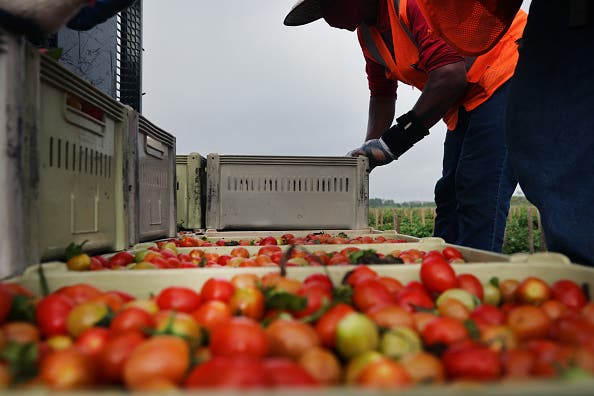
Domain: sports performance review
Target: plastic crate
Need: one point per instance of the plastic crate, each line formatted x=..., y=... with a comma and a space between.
x=151, y=171
x=191, y=180
x=19, y=84
x=79, y=151
x=281, y=193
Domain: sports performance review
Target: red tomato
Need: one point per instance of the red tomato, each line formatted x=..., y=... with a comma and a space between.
x=269, y=250
x=161, y=358
x=228, y=372
x=79, y=293
x=371, y=293
x=487, y=314
x=444, y=330
x=320, y=279
x=132, y=319
x=217, y=289
x=316, y=296
x=211, y=314
x=92, y=340
x=67, y=369
x=51, y=314
x=115, y=353
x=361, y=272
x=471, y=284
x=451, y=253
x=182, y=299
x=569, y=293
x=284, y=372
x=410, y=298
x=240, y=252
x=437, y=275
x=290, y=338
x=248, y=301
x=472, y=362
x=240, y=336
x=326, y=325
x=189, y=242
x=5, y=304
x=268, y=241
x=121, y=259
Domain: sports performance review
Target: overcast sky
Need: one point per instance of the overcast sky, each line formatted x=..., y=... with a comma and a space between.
x=230, y=78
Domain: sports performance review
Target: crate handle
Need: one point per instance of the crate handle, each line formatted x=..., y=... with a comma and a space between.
x=76, y=116
x=154, y=147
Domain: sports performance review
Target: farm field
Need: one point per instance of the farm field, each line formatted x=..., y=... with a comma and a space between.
x=523, y=231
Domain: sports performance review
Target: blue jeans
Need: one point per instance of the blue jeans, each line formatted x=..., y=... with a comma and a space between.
x=550, y=124
x=474, y=192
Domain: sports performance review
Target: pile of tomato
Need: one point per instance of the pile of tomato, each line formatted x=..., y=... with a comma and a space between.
x=271, y=331
x=322, y=238
x=166, y=255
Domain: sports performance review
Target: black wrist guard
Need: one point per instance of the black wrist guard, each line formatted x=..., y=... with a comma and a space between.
x=402, y=136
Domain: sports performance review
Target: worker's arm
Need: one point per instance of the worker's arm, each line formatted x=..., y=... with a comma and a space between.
x=381, y=115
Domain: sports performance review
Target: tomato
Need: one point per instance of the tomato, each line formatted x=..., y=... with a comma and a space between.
x=242, y=280
x=451, y=253
x=212, y=313
x=508, y=287
x=320, y=279
x=453, y=308
x=112, y=299
x=290, y=338
x=371, y=293
x=67, y=369
x=115, y=353
x=424, y=368
x=443, y=330
x=283, y=372
x=92, y=340
x=412, y=297
x=16, y=290
x=180, y=324
x=487, y=314
x=317, y=295
x=80, y=262
x=393, y=285
x=51, y=314
x=268, y=241
x=21, y=332
x=471, y=362
x=471, y=284
x=240, y=252
x=178, y=298
x=326, y=325
x=121, y=259
x=5, y=304
x=269, y=250
x=217, y=289
x=131, y=319
x=322, y=365
x=84, y=316
x=360, y=273
x=240, y=336
x=338, y=259
x=222, y=372
x=437, y=275
x=189, y=242
x=517, y=363
x=528, y=321
x=390, y=315
x=384, y=373
x=248, y=301
x=97, y=265
x=569, y=293
x=79, y=293
x=164, y=358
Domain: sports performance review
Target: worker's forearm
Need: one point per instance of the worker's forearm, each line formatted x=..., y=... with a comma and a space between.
x=381, y=116
x=445, y=86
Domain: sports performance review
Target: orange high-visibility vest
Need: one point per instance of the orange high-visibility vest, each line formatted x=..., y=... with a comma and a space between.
x=487, y=73
x=472, y=27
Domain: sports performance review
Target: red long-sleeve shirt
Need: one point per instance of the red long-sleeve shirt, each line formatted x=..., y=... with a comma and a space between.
x=433, y=51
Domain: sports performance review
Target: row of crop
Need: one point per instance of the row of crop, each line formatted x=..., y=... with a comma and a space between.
x=523, y=232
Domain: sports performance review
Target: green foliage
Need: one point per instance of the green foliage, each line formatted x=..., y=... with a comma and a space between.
x=516, y=239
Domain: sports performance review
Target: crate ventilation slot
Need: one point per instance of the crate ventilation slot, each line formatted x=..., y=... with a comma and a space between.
x=77, y=158
x=288, y=184
x=154, y=176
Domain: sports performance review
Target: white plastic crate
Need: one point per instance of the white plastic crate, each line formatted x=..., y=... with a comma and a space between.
x=191, y=180
x=283, y=193
x=151, y=172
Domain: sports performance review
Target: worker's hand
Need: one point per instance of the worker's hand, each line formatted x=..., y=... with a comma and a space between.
x=376, y=151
